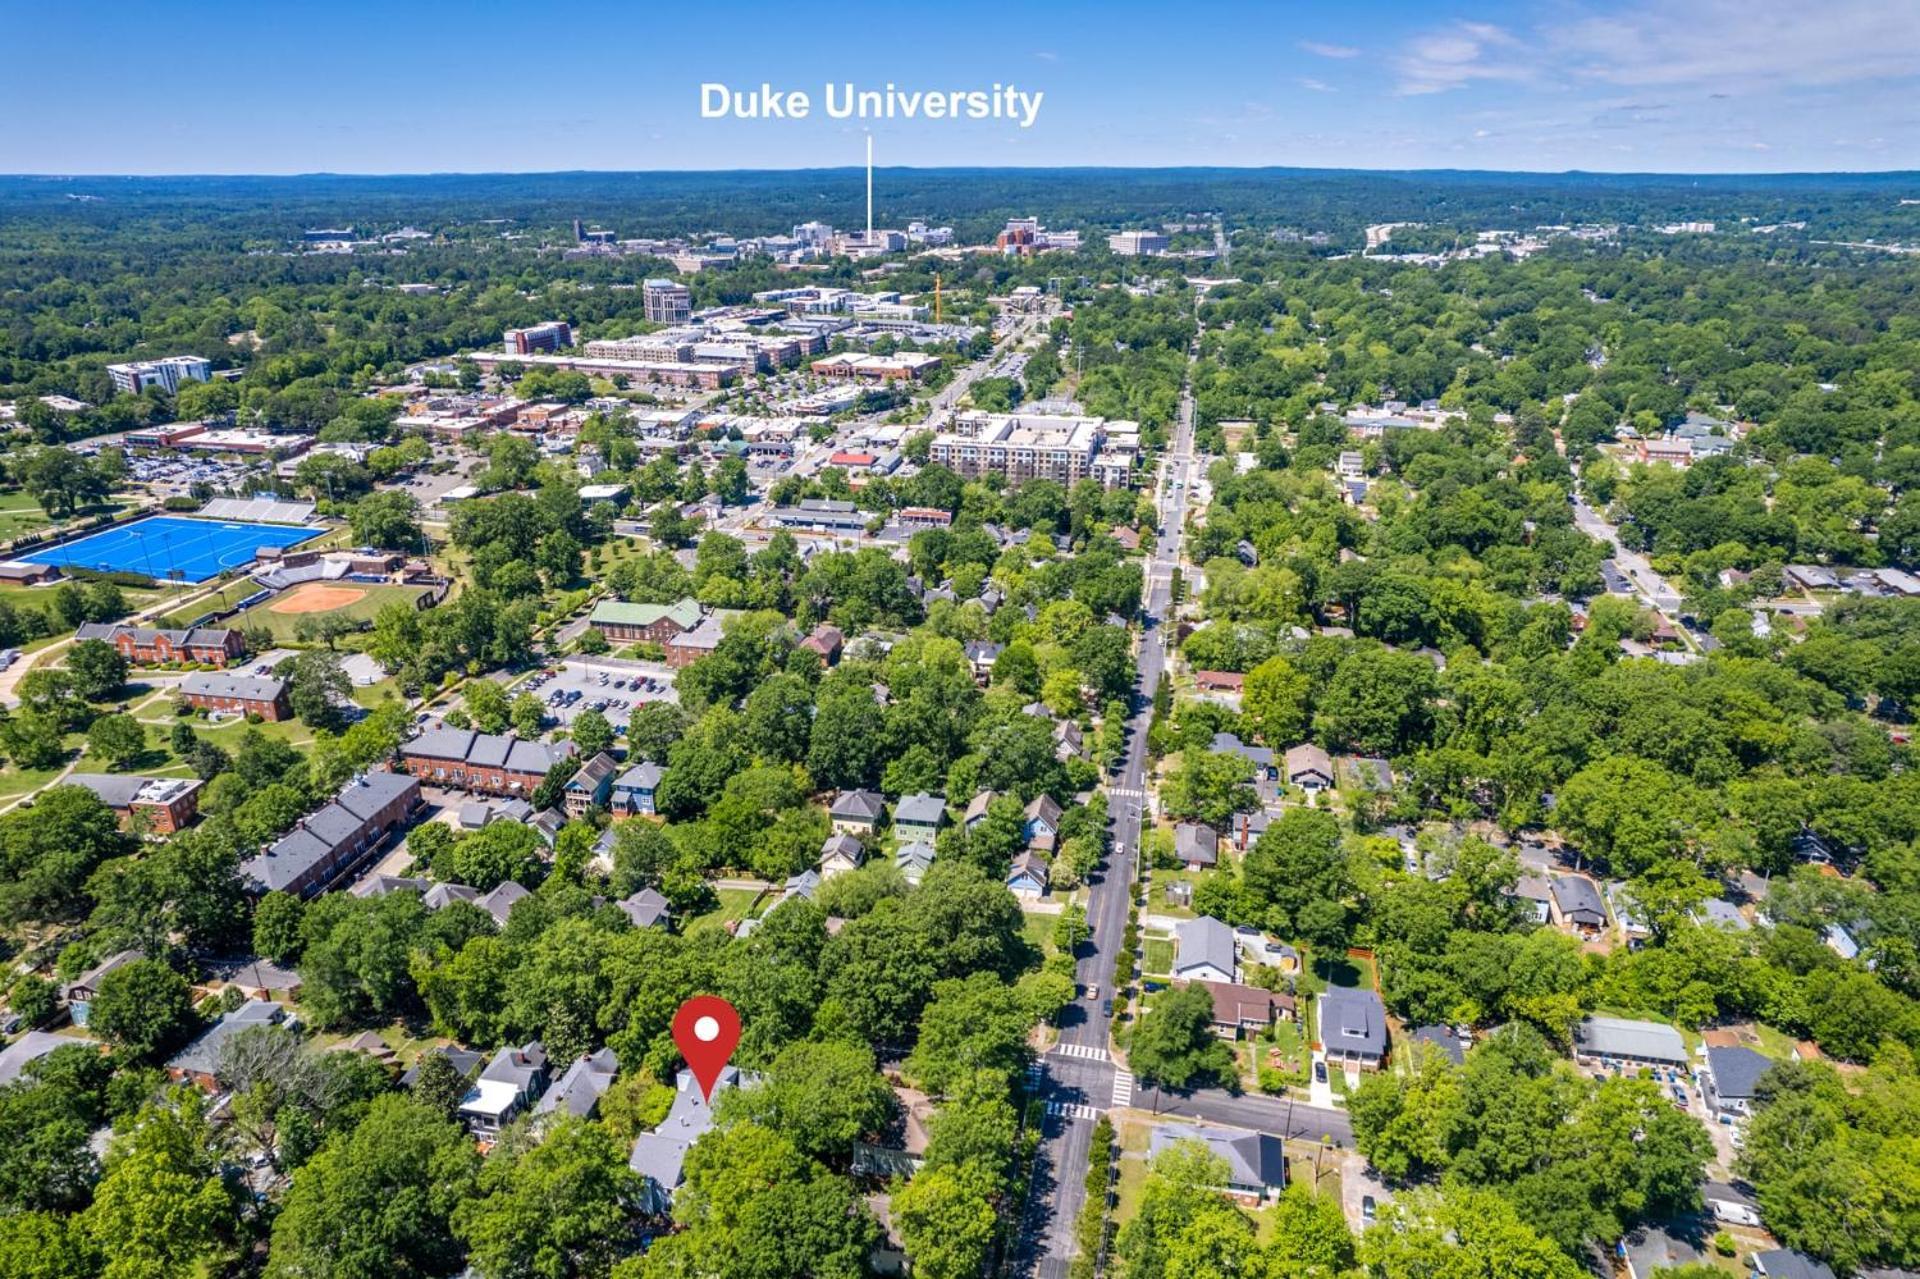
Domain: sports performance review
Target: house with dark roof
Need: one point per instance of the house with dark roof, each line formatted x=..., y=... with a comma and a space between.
x=145, y=646
x=981, y=655
x=511, y=1082
x=840, y=854
x=79, y=992
x=1786, y=1263
x=920, y=816
x=1730, y=1077
x=591, y=786
x=1195, y=846
x=1575, y=906
x=976, y=811
x=660, y=1155
x=1309, y=767
x=465, y=1063
x=645, y=909
x=1646, y=1250
x=577, y=1093
x=336, y=839
x=634, y=790
x=500, y=902
x=1205, y=951
x=1264, y=764
x=826, y=640
x=31, y=1047
x=237, y=694
x=1246, y=1010
x=914, y=860
x=1353, y=1027
x=1535, y=897
x=1442, y=1039
x=857, y=812
x=1256, y=1161
x=486, y=763
x=199, y=1062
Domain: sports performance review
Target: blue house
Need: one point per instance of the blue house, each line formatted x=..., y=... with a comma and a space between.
x=634, y=789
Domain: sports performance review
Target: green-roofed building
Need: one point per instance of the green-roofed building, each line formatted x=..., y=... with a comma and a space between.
x=626, y=623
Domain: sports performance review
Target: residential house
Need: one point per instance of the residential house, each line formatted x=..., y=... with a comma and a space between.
x=334, y=840
x=857, y=812
x=1353, y=1028
x=591, y=787
x=1631, y=1043
x=440, y=896
x=625, y=623
x=1535, y=895
x=827, y=641
x=1647, y=1250
x=1574, y=906
x=1369, y=772
x=1256, y=1162
x=976, y=810
x=1205, y=951
x=1264, y=765
x=982, y=655
x=486, y=763
x=1442, y=1039
x=1069, y=742
x=31, y=1047
x=659, y=1156
x=634, y=790
x=199, y=1062
x=1730, y=1077
x=1042, y=826
x=465, y=1063
x=237, y=694
x=577, y=1093
x=803, y=886
x=840, y=854
x=1309, y=767
x=1195, y=846
x=1029, y=875
x=914, y=860
x=157, y=805
x=1786, y=1263
x=1246, y=1010
x=511, y=1082
x=79, y=992
x=500, y=902
x=920, y=816
x=1245, y=829
x=646, y=909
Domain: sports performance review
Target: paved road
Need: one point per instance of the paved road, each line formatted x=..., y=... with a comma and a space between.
x=1653, y=588
x=1077, y=1077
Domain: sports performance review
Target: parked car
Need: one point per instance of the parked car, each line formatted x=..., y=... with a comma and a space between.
x=1320, y=1072
x=1367, y=1208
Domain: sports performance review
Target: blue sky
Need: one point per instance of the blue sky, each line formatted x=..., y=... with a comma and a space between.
x=406, y=86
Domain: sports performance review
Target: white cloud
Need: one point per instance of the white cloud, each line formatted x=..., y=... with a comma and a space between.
x=1318, y=86
x=1456, y=56
x=1321, y=49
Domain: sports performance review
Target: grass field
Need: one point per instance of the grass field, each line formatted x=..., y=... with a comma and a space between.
x=356, y=601
x=735, y=903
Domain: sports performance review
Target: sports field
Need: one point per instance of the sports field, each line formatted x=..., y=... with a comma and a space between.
x=172, y=547
x=355, y=601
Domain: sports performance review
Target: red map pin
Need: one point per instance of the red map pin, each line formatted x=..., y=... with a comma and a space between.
x=706, y=1030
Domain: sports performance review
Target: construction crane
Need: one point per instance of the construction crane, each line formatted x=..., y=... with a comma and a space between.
x=936, y=297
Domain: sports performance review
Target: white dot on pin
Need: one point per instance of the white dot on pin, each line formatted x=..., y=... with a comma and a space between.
x=706, y=1030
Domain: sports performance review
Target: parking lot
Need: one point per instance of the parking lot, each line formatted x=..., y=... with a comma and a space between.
x=614, y=686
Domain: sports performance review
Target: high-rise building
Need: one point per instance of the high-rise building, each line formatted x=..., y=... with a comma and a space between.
x=168, y=373
x=556, y=335
x=667, y=302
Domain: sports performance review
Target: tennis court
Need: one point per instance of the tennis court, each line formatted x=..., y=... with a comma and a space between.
x=172, y=547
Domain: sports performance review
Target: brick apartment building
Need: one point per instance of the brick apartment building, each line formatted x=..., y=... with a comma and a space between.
x=486, y=763
x=145, y=646
x=245, y=694
x=334, y=839
x=163, y=804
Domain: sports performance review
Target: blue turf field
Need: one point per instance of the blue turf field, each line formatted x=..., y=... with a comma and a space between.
x=172, y=547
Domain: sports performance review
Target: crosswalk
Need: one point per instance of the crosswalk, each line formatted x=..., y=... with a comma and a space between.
x=1122, y=1089
x=1126, y=792
x=1072, y=1110
x=1086, y=1052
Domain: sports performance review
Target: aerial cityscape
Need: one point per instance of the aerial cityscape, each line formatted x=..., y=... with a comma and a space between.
x=976, y=664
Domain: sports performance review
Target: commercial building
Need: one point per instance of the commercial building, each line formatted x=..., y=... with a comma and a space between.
x=242, y=694
x=556, y=335
x=705, y=376
x=1022, y=447
x=1639, y=1043
x=161, y=805
x=666, y=302
x=488, y=763
x=908, y=366
x=332, y=841
x=625, y=623
x=167, y=374
x=145, y=646
x=1138, y=244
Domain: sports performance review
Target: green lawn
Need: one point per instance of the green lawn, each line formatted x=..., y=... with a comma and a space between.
x=735, y=903
x=285, y=626
x=1038, y=930
x=1159, y=957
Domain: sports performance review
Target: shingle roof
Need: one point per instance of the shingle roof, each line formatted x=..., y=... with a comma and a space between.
x=202, y=1056
x=1252, y=1158
x=1577, y=896
x=920, y=810
x=858, y=805
x=1354, y=1019
x=256, y=688
x=1307, y=757
x=1620, y=1037
x=579, y=1090
x=1735, y=1071
x=1195, y=844
x=645, y=908
x=1204, y=942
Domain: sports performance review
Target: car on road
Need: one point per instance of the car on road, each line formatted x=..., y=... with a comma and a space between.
x=1093, y=992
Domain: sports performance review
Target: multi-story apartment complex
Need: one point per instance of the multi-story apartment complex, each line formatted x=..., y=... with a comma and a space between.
x=162, y=804
x=488, y=763
x=167, y=374
x=1030, y=446
x=556, y=335
x=336, y=838
x=244, y=694
x=666, y=302
x=147, y=646
x=1138, y=244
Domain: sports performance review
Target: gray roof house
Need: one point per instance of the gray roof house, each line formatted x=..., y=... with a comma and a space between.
x=514, y=1078
x=1731, y=1076
x=499, y=903
x=976, y=809
x=465, y=1063
x=659, y=1156
x=1576, y=904
x=1638, y=1042
x=1256, y=1162
x=839, y=854
x=1206, y=951
x=804, y=885
x=577, y=1093
x=919, y=816
x=1309, y=767
x=646, y=908
x=332, y=840
x=1649, y=1249
x=199, y=1061
x=1195, y=846
x=914, y=860
x=443, y=895
x=1785, y=1263
x=857, y=810
x=1353, y=1027
x=31, y=1047
x=1259, y=756
x=1043, y=816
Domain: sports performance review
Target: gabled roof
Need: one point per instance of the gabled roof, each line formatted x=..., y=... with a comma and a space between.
x=640, y=777
x=1736, y=1071
x=920, y=810
x=1307, y=757
x=1044, y=808
x=1030, y=866
x=684, y=614
x=1354, y=1019
x=918, y=855
x=593, y=772
x=1252, y=1158
x=578, y=1091
x=1195, y=844
x=1622, y=1037
x=976, y=807
x=499, y=903
x=843, y=846
x=1204, y=942
x=1229, y=744
x=202, y=1056
x=1575, y=895
x=253, y=688
x=804, y=885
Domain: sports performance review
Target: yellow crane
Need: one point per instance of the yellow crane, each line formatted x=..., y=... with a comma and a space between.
x=936, y=297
